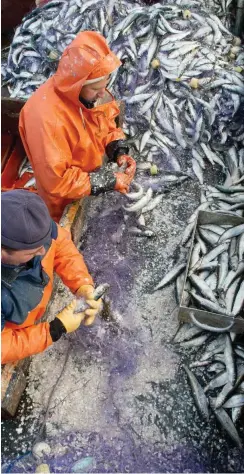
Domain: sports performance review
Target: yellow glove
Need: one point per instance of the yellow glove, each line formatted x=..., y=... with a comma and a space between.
x=86, y=292
x=71, y=320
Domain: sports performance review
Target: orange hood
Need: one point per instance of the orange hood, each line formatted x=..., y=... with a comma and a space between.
x=87, y=57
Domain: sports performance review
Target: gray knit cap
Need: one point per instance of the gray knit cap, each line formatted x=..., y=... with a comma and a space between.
x=26, y=223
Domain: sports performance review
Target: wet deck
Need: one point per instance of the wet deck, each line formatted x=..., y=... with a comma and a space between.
x=123, y=398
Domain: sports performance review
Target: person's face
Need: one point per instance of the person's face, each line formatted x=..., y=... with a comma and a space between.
x=18, y=257
x=92, y=92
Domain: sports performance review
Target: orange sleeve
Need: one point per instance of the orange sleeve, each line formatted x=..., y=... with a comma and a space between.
x=114, y=133
x=20, y=343
x=52, y=161
x=69, y=263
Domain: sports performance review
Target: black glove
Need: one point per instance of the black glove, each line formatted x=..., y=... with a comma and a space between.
x=102, y=180
x=115, y=149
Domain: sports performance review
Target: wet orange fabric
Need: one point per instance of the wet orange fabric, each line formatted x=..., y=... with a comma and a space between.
x=63, y=139
x=20, y=341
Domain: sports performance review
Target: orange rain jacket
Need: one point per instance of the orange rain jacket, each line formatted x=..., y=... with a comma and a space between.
x=20, y=341
x=63, y=139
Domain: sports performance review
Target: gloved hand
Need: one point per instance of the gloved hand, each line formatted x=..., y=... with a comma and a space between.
x=105, y=179
x=131, y=165
x=70, y=320
x=123, y=180
x=86, y=292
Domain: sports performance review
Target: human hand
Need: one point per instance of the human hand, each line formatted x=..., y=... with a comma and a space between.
x=87, y=292
x=131, y=165
x=69, y=318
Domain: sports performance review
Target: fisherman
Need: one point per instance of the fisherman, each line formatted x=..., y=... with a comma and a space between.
x=68, y=125
x=33, y=247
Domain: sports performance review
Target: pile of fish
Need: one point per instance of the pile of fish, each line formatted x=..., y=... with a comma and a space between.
x=226, y=199
x=182, y=80
x=216, y=270
x=181, y=77
x=216, y=283
x=224, y=360
x=224, y=9
x=45, y=32
x=25, y=167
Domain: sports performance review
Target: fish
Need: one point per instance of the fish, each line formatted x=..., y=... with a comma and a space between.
x=198, y=394
x=223, y=269
x=224, y=394
x=141, y=232
x=232, y=275
x=203, y=287
x=230, y=360
x=236, y=413
x=187, y=233
x=218, y=381
x=26, y=169
x=230, y=295
x=235, y=401
x=195, y=256
x=239, y=300
x=152, y=204
x=209, y=305
x=140, y=203
x=30, y=183
x=179, y=285
x=98, y=293
x=215, y=367
x=22, y=165
x=195, y=342
x=170, y=276
x=214, y=347
x=186, y=331
x=134, y=196
x=208, y=236
x=233, y=232
x=226, y=422
x=214, y=253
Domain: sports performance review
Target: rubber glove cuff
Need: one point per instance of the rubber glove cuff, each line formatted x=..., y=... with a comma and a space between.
x=102, y=181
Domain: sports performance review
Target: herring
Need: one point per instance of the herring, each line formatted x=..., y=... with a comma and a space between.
x=198, y=394
x=170, y=276
x=140, y=203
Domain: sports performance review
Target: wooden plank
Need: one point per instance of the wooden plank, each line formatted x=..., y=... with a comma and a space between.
x=13, y=390
x=13, y=383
